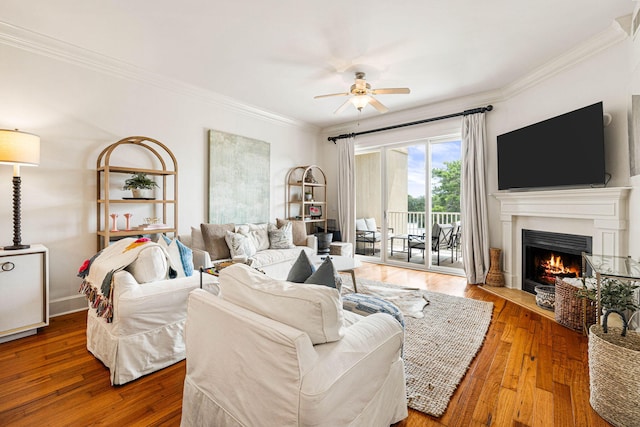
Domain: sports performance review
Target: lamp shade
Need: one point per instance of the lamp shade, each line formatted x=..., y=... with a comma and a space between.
x=19, y=148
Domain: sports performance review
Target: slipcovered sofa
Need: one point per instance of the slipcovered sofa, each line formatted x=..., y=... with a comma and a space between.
x=136, y=325
x=278, y=353
x=273, y=254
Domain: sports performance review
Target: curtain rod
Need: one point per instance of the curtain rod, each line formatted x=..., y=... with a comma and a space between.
x=419, y=122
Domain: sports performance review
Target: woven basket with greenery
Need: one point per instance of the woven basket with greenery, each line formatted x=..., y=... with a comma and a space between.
x=614, y=369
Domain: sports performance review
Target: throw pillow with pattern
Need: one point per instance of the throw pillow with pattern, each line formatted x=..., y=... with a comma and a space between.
x=239, y=245
x=281, y=238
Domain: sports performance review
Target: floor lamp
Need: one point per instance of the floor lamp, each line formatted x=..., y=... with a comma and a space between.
x=18, y=149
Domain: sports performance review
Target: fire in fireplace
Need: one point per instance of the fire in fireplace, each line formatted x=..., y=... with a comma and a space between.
x=548, y=265
x=549, y=255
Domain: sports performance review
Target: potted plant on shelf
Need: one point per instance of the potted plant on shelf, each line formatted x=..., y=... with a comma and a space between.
x=141, y=186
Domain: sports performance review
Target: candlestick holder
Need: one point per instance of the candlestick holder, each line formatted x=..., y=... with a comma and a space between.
x=127, y=217
x=114, y=219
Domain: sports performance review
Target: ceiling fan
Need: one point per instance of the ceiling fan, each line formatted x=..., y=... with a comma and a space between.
x=362, y=95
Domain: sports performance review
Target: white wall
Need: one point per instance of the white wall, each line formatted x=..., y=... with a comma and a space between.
x=634, y=201
x=77, y=111
x=606, y=76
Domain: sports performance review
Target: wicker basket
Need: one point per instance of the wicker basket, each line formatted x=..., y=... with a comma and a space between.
x=570, y=310
x=614, y=369
x=545, y=297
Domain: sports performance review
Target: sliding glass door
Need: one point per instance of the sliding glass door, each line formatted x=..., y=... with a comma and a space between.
x=445, y=159
x=369, y=213
x=411, y=194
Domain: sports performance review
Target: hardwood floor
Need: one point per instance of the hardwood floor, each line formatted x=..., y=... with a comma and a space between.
x=529, y=372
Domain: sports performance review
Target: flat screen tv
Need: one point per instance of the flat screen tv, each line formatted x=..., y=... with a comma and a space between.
x=563, y=151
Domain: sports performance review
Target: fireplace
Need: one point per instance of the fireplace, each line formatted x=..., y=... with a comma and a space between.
x=601, y=213
x=548, y=255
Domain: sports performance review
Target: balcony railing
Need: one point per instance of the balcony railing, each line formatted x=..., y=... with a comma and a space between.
x=414, y=222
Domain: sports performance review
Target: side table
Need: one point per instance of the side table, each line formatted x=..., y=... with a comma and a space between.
x=209, y=280
x=24, y=291
x=342, y=264
x=617, y=267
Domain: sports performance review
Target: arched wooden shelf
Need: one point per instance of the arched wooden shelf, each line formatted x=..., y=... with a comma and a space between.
x=297, y=186
x=167, y=171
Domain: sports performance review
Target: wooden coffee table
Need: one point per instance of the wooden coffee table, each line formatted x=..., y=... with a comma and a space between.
x=343, y=264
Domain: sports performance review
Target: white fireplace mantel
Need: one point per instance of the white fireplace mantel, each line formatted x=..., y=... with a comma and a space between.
x=597, y=212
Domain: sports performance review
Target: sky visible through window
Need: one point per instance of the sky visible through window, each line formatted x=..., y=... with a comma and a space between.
x=440, y=152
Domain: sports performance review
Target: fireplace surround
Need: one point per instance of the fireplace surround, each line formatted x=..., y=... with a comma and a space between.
x=600, y=213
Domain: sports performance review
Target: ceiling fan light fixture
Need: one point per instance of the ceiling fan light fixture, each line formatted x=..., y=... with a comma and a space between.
x=362, y=92
x=360, y=101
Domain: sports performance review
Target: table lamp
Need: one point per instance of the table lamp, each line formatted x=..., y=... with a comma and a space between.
x=18, y=149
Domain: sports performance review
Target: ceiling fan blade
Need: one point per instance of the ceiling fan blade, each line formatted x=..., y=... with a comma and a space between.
x=391, y=90
x=343, y=106
x=378, y=105
x=331, y=94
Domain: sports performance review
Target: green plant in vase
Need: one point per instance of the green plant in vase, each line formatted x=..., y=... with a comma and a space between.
x=615, y=295
x=141, y=185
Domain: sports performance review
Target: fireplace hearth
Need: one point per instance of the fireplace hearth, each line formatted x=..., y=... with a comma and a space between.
x=549, y=255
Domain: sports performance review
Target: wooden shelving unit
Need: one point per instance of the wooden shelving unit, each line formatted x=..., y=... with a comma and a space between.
x=303, y=180
x=168, y=200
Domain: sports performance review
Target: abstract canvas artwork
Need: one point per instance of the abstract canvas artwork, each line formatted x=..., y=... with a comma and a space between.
x=239, y=179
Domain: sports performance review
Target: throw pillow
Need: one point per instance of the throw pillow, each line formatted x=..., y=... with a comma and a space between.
x=361, y=225
x=197, y=241
x=371, y=224
x=326, y=275
x=150, y=265
x=367, y=304
x=257, y=233
x=239, y=245
x=281, y=238
x=214, y=240
x=181, y=256
x=298, y=229
x=301, y=269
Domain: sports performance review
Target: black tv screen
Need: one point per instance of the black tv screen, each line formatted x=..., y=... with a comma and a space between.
x=567, y=150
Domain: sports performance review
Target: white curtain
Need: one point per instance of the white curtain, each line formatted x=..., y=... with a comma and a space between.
x=346, y=190
x=475, y=236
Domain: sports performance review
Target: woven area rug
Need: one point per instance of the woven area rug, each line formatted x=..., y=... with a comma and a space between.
x=439, y=346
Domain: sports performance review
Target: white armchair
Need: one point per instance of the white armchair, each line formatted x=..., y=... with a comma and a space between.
x=251, y=357
x=142, y=331
x=146, y=333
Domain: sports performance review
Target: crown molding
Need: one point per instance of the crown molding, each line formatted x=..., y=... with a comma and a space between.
x=40, y=44
x=611, y=36
x=43, y=45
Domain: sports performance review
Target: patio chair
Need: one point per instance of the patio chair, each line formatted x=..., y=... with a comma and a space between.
x=368, y=233
x=415, y=241
x=454, y=241
x=441, y=238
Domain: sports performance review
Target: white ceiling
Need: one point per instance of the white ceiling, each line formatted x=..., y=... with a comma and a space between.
x=277, y=55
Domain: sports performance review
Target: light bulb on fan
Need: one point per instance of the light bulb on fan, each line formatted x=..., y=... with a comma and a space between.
x=360, y=101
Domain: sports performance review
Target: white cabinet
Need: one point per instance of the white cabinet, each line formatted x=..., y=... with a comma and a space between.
x=24, y=291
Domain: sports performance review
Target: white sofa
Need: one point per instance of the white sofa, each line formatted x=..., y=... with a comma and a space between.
x=274, y=262
x=143, y=329
x=286, y=354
